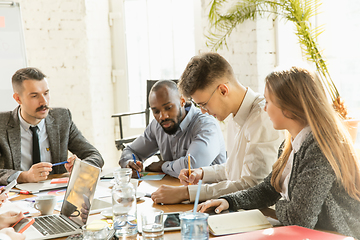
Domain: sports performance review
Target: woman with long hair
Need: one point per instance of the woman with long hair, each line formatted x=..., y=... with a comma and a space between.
x=315, y=182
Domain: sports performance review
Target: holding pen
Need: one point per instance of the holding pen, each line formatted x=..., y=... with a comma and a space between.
x=189, y=165
x=133, y=155
x=60, y=163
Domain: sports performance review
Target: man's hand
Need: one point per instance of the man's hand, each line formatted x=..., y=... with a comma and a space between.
x=7, y=219
x=84, y=212
x=196, y=175
x=12, y=234
x=135, y=167
x=38, y=172
x=170, y=194
x=155, y=166
x=70, y=163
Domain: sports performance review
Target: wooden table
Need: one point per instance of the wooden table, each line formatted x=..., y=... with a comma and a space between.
x=146, y=203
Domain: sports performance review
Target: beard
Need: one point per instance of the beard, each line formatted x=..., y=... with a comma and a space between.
x=176, y=125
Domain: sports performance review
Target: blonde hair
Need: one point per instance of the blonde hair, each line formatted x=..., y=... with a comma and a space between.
x=299, y=92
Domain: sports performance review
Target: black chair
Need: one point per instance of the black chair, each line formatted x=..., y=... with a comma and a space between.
x=120, y=143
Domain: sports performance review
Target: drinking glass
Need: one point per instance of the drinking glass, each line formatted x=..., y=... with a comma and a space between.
x=98, y=230
x=194, y=226
x=152, y=224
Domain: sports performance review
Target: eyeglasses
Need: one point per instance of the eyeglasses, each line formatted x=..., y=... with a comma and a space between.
x=203, y=105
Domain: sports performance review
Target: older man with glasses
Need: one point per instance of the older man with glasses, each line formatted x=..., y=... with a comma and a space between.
x=210, y=81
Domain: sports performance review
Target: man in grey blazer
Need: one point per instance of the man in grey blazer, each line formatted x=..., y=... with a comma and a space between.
x=55, y=130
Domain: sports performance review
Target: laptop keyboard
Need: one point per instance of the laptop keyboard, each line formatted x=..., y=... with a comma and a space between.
x=52, y=224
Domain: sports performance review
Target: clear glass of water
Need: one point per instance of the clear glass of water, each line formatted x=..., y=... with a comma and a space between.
x=194, y=226
x=152, y=224
x=122, y=175
x=124, y=204
x=95, y=231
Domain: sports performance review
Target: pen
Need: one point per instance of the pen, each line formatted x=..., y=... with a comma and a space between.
x=189, y=164
x=60, y=163
x=135, y=164
x=20, y=191
x=30, y=199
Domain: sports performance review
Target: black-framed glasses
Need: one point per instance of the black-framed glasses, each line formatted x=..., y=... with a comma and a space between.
x=203, y=106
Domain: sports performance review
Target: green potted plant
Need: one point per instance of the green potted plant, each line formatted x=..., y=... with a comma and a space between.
x=225, y=15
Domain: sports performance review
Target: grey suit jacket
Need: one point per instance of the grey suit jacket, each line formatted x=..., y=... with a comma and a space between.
x=63, y=136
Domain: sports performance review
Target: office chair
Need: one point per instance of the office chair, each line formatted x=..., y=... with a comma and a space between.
x=120, y=143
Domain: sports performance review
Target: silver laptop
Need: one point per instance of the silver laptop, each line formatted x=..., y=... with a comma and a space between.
x=79, y=195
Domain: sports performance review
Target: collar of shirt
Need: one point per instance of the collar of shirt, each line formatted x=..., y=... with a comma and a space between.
x=246, y=106
x=299, y=139
x=190, y=109
x=25, y=125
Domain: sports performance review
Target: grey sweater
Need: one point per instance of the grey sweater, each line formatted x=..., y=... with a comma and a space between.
x=317, y=199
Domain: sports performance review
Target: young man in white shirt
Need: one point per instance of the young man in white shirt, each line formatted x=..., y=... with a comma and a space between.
x=210, y=81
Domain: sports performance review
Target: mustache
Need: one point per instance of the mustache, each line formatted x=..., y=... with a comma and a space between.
x=42, y=107
x=166, y=120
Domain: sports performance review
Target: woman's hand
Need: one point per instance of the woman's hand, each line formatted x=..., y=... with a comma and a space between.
x=12, y=234
x=7, y=219
x=3, y=197
x=219, y=205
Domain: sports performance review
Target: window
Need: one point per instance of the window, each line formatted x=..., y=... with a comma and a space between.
x=160, y=38
x=340, y=46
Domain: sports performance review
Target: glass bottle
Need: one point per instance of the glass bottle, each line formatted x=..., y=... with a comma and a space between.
x=124, y=204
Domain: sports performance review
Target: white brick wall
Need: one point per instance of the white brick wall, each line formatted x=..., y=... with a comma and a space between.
x=251, y=52
x=69, y=40
x=251, y=49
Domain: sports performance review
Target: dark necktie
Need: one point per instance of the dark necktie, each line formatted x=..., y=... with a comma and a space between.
x=36, y=147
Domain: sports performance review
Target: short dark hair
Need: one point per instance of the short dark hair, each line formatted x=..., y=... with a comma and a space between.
x=202, y=71
x=164, y=83
x=23, y=74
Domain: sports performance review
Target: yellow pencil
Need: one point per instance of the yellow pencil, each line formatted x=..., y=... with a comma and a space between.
x=189, y=166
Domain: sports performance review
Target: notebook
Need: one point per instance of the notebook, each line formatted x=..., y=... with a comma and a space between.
x=45, y=185
x=237, y=222
x=286, y=233
x=79, y=194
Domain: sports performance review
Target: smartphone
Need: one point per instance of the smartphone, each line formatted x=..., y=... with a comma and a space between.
x=172, y=221
x=21, y=225
x=9, y=186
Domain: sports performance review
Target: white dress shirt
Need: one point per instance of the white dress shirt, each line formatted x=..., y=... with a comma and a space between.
x=26, y=145
x=253, y=152
x=296, y=144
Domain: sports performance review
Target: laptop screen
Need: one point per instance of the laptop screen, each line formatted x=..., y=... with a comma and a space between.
x=80, y=191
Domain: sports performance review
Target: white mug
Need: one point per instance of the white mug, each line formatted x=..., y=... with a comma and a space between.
x=45, y=204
